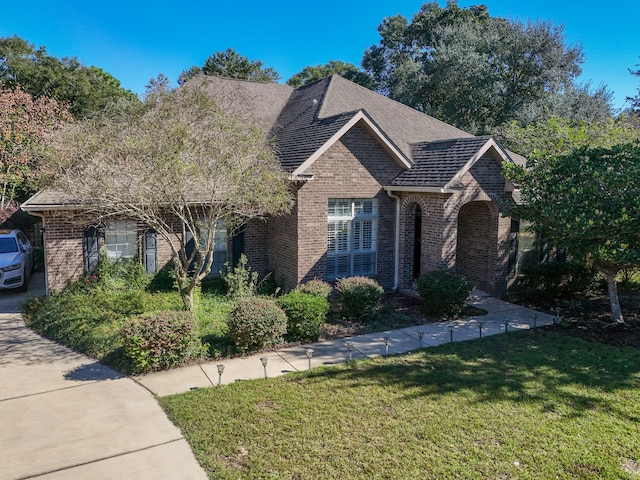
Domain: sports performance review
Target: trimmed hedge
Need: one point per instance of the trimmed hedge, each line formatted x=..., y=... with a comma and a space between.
x=361, y=297
x=306, y=315
x=445, y=293
x=256, y=323
x=317, y=287
x=557, y=279
x=160, y=341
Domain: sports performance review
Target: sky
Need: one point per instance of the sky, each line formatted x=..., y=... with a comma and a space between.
x=136, y=40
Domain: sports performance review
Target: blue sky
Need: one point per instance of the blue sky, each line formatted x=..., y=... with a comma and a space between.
x=136, y=40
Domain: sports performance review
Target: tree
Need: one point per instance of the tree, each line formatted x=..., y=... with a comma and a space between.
x=233, y=65
x=182, y=162
x=589, y=202
x=560, y=136
x=635, y=101
x=83, y=89
x=473, y=70
x=24, y=124
x=334, y=67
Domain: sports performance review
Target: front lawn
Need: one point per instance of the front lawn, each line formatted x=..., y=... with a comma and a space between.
x=523, y=405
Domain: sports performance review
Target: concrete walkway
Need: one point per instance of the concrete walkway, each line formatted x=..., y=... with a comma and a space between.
x=64, y=416
x=336, y=351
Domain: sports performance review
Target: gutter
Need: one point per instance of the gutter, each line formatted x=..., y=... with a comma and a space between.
x=44, y=250
x=396, y=268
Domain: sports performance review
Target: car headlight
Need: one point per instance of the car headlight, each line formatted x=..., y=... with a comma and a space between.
x=10, y=268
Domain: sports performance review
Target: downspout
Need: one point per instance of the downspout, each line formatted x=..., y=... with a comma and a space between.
x=44, y=252
x=396, y=270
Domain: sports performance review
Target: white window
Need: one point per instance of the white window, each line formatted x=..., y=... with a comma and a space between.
x=351, y=237
x=121, y=239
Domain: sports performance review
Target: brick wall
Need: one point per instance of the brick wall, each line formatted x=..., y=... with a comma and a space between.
x=63, y=251
x=355, y=167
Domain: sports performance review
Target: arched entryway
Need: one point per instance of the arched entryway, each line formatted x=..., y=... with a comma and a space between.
x=476, y=240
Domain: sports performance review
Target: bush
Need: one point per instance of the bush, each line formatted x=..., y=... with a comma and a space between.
x=316, y=287
x=123, y=274
x=75, y=319
x=361, y=297
x=445, y=293
x=256, y=323
x=160, y=341
x=241, y=281
x=306, y=315
x=557, y=279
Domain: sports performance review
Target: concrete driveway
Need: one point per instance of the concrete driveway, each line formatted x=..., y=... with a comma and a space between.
x=64, y=416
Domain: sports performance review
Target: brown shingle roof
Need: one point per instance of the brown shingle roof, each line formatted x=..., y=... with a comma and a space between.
x=303, y=120
x=437, y=163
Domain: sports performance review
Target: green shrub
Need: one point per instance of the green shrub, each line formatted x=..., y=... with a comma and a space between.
x=241, y=281
x=160, y=341
x=306, y=315
x=123, y=274
x=557, y=279
x=316, y=287
x=361, y=297
x=256, y=323
x=75, y=319
x=445, y=293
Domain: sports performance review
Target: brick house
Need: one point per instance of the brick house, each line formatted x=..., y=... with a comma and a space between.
x=380, y=189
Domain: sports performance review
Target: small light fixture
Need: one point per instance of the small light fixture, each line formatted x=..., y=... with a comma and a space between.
x=451, y=329
x=264, y=361
x=386, y=346
x=535, y=320
x=309, y=353
x=350, y=348
x=480, y=327
x=420, y=335
x=506, y=326
x=220, y=372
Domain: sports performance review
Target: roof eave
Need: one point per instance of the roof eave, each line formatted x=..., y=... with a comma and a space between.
x=392, y=188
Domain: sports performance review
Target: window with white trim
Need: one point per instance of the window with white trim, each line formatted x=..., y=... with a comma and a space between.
x=121, y=239
x=219, y=245
x=352, y=231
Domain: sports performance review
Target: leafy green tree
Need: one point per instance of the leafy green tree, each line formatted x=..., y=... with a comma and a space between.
x=589, y=202
x=233, y=65
x=181, y=162
x=471, y=69
x=559, y=136
x=635, y=100
x=83, y=89
x=334, y=67
x=25, y=122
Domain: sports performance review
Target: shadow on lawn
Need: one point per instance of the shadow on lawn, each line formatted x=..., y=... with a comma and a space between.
x=564, y=375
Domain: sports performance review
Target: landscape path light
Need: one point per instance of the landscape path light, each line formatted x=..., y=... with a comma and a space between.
x=480, y=326
x=535, y=320
x=220, y=372
x=350, y=348
x=506, y=326
x=420, y=335
x=309, y=353
x=451, y=329
x=386, y=346
x=264, y=361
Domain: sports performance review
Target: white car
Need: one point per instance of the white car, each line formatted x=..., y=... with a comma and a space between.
x=16, y=259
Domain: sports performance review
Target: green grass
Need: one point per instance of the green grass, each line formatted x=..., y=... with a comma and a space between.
x=533, y=405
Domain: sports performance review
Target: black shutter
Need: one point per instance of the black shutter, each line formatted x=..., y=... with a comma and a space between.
x=91, y=249
x=237, y=246
x=150, y=251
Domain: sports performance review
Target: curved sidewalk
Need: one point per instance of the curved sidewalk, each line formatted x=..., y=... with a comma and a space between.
x=64, y=416
x=404, y=340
